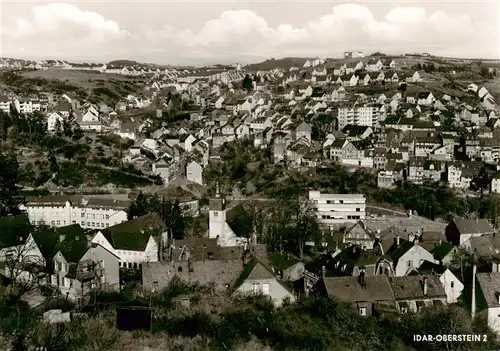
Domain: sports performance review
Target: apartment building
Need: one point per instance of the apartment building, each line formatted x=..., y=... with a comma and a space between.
x=336, y=209
x=88, y=212
x=358, y=116
x=4, y=104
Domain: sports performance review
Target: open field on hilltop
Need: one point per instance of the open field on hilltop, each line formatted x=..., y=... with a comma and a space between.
x=81, y=79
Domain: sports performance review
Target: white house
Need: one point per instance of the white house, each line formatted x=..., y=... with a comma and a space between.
x=487, y=285
x=135, y=241
x=52, y=120
x=90, y=121
x=194, y=172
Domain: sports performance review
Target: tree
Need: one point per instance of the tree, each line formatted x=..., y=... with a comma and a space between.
x=139, y=207
x=484, y=72
x=24, y=268
x=10, y=194
x=247, y=83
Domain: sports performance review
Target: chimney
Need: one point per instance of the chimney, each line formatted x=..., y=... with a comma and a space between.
x=62, y=237
x=397, y=239
x=425, y=286
x=362, y=278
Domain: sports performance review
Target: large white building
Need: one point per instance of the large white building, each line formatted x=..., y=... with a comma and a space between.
x=334, y=210
x=358, y=115
x=88, y=212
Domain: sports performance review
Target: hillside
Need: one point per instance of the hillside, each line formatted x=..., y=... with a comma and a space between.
x=123, y=63
x=284, y=63
x=87, y=85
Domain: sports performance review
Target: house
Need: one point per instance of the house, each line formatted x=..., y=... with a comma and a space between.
x=404, y=256
x=415, y=293
x=14, y=231
x=258, y=279
x=194, y=172
x=127, y=131
x=135, y=241
x=53, y=120
x=304, y=130
x=367, y=295
x=487, y=296
x=285, y=267
x=80, y=266
x=415, y=78
x=461, y=230
x=91, y=121
x=425, y=98
x=453, y=287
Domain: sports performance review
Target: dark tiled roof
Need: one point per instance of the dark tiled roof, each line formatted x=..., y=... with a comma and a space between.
x=14, y=230
x=281, y=261
x=490, y=286
x=472, y=226
x=412, y=287
x=134, y=234
x=376, y=288
x=75, y=243
x=442, y=250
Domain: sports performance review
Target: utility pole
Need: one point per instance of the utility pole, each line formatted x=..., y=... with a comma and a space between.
x=473, y=307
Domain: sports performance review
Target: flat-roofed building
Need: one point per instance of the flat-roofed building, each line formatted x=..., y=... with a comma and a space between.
x=336, y=209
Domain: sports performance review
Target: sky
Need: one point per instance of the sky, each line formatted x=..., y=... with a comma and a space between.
x=208, y=32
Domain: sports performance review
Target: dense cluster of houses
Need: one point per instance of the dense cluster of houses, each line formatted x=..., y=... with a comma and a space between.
x=373, y=113
x=378, y=265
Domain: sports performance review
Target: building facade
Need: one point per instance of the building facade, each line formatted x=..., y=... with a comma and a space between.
x=333, y=210
x=89, y=213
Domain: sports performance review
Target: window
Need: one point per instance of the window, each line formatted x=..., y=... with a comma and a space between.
x=216, y=213
x=255, y=288
x=452, y=284
x=93, y=216
x=362, y=311
x=59, y=266
x=179, y=269
x=53, y=222
x=74, y=222
x=265, y=288
x=83, y=223
x=88, y=224
x=107, y=216
x=83, y=215
x=410, y=263
x=358, y=210
x=58, y=222
x=93, y=224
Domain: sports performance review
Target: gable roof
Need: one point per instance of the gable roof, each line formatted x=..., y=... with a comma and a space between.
x=442, y=250
x=473, y=226
x=412, y=287
x=376, y=288
x=134, y=234
x=490, y=286
x=253, y=270
x=14, y=230
x=75, y=243
x=281, y=261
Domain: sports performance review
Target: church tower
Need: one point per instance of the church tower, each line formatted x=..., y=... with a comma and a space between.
x=217, y=216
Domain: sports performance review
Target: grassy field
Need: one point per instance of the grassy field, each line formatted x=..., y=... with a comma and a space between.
x=87, y=80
